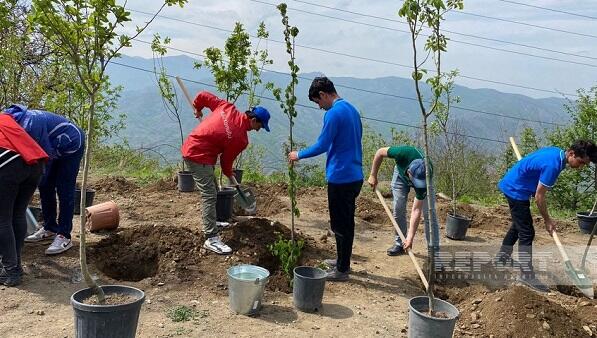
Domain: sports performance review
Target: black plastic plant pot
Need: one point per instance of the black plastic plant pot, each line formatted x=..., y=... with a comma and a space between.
x=238, y=174
x=225, y=204
x=456, y=226
x=586, y=222
x=421, y=325
x=307, y=288
x=186, y=183
x=107, y=321
x=89, y=193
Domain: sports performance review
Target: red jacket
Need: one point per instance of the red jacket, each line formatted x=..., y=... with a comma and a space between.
x=223, y=132
x=14, y=137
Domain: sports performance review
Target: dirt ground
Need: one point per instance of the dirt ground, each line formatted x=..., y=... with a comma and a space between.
x=158, y=248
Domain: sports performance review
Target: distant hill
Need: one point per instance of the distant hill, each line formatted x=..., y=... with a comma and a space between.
x=148, y=125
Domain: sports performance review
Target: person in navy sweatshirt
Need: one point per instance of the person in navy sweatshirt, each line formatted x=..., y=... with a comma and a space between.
x=340, y=139
x=64, y=143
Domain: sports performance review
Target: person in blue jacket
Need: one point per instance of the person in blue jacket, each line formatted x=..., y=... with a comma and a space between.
x=340, y=139
x=64, y=143
x=535, y=175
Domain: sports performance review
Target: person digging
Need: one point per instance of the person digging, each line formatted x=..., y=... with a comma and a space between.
x=222, y=133
x=409, y=173
x=534, y=175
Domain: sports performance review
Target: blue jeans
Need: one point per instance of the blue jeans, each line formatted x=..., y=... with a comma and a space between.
x=60, y=178
x=400, y=192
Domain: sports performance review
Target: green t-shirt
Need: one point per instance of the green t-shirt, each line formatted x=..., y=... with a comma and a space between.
x=404, y=155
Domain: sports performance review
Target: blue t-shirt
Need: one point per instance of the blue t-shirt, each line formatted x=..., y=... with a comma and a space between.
x=340, y=138
x=543, y=165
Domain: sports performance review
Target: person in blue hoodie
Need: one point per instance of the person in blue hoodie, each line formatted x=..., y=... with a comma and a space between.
x=340, y=139
x=64, y=143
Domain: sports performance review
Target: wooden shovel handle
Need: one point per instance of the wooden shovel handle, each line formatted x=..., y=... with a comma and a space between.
x=185, y=91
x=553, y=234
x=409, y=251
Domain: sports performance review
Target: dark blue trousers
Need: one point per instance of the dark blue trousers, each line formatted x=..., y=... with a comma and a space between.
x=60, y=178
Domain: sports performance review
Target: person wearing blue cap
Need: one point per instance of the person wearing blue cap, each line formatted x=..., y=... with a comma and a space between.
x=223, y=134
x=409, y=172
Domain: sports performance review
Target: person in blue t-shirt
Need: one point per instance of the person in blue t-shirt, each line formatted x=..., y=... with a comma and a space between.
x=535, y=175
x=340, y=139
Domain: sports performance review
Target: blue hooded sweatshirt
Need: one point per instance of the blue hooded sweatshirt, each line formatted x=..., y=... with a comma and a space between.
x=54, y=133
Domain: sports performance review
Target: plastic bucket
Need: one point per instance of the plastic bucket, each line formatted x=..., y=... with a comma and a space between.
x=307, y=288
x=186, y=183
x=107, y=321
x=225, y=204
x=103, y=216
x=421, y=325
x=586, y=222
x=245, y=288
x=238, y=174
x=89, y=193
x=456, y=226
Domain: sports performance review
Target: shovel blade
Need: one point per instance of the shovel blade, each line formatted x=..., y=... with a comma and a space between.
x=581, y=280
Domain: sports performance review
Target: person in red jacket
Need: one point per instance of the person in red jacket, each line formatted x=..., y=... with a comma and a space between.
x=21, y=167
x=223, y=133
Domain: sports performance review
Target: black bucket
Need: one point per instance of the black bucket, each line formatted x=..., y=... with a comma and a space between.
x=238, y=174
x=586, y=222
x=107, y=321
x=225, y=204
x=307, y=288
x=90, y=193
x=186, y=183
x=456, y=226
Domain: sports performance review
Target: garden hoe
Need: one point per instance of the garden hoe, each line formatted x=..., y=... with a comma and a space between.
x=245, y=197
x=578, y=277
x=584, y=256
x=410, y=252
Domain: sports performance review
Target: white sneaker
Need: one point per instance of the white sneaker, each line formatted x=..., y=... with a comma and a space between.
x=40, y=235
x=216, y=245
x=60, y=245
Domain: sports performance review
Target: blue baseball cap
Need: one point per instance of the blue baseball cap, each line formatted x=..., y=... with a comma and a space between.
x=263, y=115
x=417, y=173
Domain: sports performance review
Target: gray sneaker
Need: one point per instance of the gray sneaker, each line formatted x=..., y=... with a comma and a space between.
x=336, y=276
x=40, y=235
x=533, y=283
x=10, y=277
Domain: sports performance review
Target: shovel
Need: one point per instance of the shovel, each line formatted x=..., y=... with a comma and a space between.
x=578, y=277
x=186, y=93
x=410, y=252
x=246, y=200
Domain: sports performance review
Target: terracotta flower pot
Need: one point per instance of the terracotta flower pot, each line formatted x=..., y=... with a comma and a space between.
x=103, y=216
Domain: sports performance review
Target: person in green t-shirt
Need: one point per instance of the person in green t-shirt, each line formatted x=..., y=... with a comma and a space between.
x=409, y=172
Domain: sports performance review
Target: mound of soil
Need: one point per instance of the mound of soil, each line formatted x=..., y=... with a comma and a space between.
x=513, y=312
x=114, y=184
x=268, y=202
x=161, y=185
x=371, y=210
x=170, y=253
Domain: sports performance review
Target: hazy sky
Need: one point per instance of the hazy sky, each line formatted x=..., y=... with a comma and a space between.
x=391, y=45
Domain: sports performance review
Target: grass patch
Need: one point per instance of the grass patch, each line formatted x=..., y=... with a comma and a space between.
x=181, y=313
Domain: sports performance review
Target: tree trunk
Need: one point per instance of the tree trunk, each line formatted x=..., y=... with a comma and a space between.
x=428, y=212
x=83, y=215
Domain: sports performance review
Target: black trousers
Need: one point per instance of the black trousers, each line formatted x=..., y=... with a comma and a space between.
x=342, y=205
x=521, y=231
x=17, y=185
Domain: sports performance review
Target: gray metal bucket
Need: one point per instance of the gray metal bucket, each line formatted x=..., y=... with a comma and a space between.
x=245, y=288
x=421, y=325
x=307, y=288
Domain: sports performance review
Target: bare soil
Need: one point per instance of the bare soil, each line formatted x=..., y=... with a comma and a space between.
x=113, y=299
x=158, y=248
